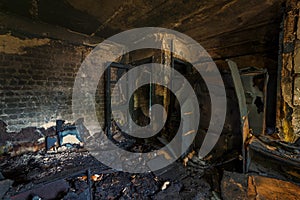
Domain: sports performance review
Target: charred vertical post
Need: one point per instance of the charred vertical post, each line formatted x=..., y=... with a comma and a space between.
x=289, y=107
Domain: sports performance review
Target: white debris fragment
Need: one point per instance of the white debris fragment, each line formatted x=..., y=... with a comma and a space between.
x=70, y=139
x=165, y=185
x=41, y=140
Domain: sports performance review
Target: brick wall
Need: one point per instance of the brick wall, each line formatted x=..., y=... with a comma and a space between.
x=36, y=80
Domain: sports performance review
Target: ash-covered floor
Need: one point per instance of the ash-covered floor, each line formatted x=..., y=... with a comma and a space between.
x=36, y=170
x=31, y=171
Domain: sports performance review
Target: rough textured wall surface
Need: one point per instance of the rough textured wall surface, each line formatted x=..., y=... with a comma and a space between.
x=36, y=80
x=288, y=116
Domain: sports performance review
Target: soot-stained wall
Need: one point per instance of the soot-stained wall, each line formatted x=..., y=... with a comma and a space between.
x=36, y=79
x=288, y=109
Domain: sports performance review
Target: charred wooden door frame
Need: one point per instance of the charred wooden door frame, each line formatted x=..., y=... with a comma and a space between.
x=108, y=110
x=119, y=66
x=127, y=67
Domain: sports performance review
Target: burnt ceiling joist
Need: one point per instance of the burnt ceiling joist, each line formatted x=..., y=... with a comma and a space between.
x=221, y=26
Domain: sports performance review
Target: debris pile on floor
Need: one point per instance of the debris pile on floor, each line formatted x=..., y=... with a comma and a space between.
x=32, y=172
x=72, y=173
x=56, y=167
x=283, y=158
x=34, y=139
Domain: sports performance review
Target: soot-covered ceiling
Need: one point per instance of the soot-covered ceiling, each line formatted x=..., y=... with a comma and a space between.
x=225, y=28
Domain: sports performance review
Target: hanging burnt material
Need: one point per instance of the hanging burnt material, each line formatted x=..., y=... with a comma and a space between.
x=251, y=89
x=254, y=82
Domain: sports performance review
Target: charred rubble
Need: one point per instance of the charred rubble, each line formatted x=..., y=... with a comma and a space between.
x=30, y=169
x=41, y=169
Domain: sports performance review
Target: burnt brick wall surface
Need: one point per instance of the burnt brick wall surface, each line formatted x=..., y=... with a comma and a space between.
x=288, y=108
x=36, y=82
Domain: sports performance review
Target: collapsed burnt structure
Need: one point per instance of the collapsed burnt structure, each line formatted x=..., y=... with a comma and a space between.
x=48, y=152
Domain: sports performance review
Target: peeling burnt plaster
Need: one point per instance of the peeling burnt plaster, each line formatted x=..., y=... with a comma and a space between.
x=13, y=45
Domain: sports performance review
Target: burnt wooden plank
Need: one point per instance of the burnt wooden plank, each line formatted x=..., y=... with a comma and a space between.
x=260, y=188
